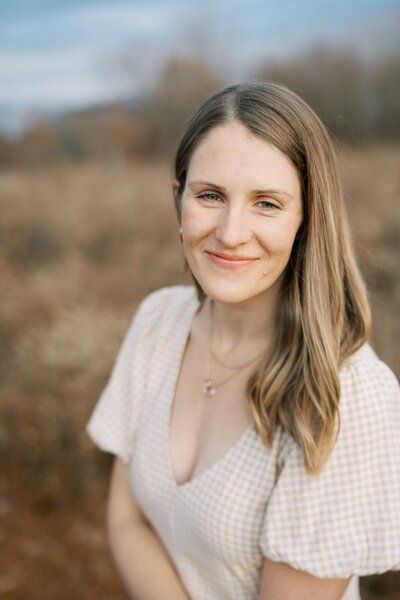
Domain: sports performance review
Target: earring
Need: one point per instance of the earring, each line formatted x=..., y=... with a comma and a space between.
x=180, y=234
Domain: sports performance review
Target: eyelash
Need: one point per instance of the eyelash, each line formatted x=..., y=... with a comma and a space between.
x=204, y=196
x=216, y=196
x=271, y=204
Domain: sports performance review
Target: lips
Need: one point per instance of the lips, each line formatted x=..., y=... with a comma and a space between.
x=230, y=262
x=231, y=257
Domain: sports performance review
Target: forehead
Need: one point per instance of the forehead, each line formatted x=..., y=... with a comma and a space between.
x=231, y=155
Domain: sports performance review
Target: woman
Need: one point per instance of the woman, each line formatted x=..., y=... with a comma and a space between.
x=256, y=433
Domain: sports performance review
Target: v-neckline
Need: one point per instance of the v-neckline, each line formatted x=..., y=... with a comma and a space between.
x=180, y=350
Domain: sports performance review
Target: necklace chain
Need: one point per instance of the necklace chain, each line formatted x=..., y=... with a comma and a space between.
x=209, y=387
x=236, y=367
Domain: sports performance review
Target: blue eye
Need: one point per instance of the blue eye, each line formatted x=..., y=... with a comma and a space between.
x=210, y=196
x=266, y=205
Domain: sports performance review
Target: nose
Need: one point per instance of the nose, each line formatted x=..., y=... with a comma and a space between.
x=233, y=228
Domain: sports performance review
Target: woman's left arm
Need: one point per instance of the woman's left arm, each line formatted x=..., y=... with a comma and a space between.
x=280, y=580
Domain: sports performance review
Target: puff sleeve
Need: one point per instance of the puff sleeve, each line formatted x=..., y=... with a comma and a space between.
x=345, y=521
x=115, y=417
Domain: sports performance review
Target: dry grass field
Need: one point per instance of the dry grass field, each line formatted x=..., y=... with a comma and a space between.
x=80, y=245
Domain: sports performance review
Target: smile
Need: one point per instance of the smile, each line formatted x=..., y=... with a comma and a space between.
x=230, y=262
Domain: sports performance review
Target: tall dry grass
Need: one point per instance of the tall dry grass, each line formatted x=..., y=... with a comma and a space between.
x=79, y=247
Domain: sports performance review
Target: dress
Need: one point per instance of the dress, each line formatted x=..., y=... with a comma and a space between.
x=254, y=501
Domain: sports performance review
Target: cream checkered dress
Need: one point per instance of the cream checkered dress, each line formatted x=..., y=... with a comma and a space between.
x=254, y=502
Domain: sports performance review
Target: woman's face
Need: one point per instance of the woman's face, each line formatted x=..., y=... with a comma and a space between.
x=241, y=210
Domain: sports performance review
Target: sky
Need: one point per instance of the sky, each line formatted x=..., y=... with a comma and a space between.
x=58, y=55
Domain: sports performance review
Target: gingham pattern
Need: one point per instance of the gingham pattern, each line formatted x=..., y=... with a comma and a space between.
x=254, y=501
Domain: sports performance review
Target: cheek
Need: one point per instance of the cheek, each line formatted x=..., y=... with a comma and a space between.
x=188, y=227
x=278, y=245
x=187, y=213
x=191, y=232
x=279, y=238
x=194, y=222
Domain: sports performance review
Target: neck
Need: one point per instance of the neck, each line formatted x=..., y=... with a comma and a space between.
x=249, y=324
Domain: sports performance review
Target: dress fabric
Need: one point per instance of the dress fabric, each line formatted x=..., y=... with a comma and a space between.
x=254, y=502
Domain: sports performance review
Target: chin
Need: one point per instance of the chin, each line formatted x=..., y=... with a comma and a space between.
x=227, y=292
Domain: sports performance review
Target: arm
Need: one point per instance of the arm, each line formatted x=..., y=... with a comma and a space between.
x=279, y=580
x=139, y=556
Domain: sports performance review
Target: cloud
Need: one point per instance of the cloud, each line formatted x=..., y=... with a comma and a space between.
x=147, y=19
x=94, y=26
x=57, y=58
x=40, y=79
x=61, y=55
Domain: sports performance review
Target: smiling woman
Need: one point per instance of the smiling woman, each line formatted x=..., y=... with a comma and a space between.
x=255, y=430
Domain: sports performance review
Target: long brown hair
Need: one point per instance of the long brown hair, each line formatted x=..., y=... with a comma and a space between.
x=324, y=316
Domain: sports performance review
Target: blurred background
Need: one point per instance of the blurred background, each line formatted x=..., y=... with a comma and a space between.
x=93, y=97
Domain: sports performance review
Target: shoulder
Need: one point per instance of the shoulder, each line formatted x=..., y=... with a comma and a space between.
x=344, y=520
x=370, y=391
x=166, y=301
x=164, y=308
x=365, y=370
x=172, y=294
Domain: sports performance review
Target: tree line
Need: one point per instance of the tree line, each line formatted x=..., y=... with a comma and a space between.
x=358, y=99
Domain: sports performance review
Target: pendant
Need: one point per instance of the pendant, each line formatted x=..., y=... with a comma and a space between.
x=208, y=388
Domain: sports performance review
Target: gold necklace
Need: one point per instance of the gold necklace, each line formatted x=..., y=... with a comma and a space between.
x=209, y=387
x=219, y=361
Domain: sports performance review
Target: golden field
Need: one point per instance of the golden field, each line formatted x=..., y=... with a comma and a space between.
x=80, y=245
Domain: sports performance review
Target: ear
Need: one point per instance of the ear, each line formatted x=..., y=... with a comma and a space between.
x=175, y=187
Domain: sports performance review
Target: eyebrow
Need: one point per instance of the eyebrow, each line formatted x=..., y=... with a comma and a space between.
x=258, y=192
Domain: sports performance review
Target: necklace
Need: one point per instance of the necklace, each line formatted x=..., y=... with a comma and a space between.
x=219, y=361
x=209, y=387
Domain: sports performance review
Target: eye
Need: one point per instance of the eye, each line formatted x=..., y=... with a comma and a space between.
x=209, y=196
x=266, y=205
